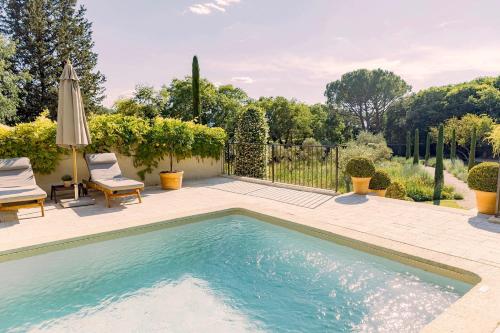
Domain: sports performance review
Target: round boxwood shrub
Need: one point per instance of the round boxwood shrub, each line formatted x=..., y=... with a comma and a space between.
x=396, y=191
x=360, y=167
x=483, y=177
x=380, y=180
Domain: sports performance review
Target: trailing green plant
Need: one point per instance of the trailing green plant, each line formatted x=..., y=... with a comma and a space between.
x=35, y=140
x=453, y=145
x=408, y=145
x=484, y=177
x=251, y=138
x=472, y=150
x=396, y=191
x=416, y=147
x=66, y=178
x=360, y=167
x=427, y=148
x=380, y=180
x=208, y=141
x=438, y=174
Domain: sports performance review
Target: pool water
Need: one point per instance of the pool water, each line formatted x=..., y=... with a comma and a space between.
x=230, y=274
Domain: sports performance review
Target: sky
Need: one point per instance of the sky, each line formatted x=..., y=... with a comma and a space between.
x=292, y=48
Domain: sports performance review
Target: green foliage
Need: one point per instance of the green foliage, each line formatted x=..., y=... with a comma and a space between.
x=35, y=140
x=416, y=147
x=328, y=126
x=494, y=139
x=365, y=95
x=438, y=174
x=427, y=148
x=9, y=82
x=408, y=145
x=472, y=150
x=145, y=103
x=47, y=33
x=380, y=180
x=483, y=177
x=360, y=167
x=463, y=128
x=196, y=90
x=457, y=168
x=396, y=191
x=453, y=145
x=66, y=178
x=208, y=141
x=251, y=138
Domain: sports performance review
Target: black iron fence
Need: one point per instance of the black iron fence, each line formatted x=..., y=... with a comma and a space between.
x=304, y=165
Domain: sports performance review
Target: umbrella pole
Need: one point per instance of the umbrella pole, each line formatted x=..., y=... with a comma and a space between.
x=75, y=173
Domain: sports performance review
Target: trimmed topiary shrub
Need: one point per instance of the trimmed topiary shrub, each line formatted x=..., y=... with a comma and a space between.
x=472, y=150
x=360, y=167
x=416, y=147
x=251, y=143
x=438, y=173
x=396, y=191
x=427, y=148
x=380, y=180
x=408, y=145
x=453, y=145
x=483, y=177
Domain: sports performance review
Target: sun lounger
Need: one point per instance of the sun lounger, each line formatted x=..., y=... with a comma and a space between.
x=106, y=176
x=18, y=187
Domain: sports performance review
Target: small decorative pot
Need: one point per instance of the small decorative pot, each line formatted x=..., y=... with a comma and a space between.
x=361, y=185
x=67, y=183
x=485, y=202
x=171, y=180
x=380, y=193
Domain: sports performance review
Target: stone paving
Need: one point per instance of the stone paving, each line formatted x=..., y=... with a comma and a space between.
x=428, y=234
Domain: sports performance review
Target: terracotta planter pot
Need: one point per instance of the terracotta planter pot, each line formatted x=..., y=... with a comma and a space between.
x=361, y=185
x=485, y=202
x=171, y=180
x=67, y=183
x=380, y=193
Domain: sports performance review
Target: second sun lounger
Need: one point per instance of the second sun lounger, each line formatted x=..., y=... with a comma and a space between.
x=106, y=176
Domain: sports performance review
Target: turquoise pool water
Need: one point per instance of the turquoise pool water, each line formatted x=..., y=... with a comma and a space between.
x=231, y=274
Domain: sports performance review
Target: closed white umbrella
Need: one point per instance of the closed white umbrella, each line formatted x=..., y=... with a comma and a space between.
x=72, y=128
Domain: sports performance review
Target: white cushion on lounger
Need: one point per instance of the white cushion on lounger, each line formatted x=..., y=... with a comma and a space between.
x=119, y=184
x=21, y=193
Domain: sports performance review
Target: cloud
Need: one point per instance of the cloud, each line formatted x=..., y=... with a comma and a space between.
x=209, y=7
x=242, y=79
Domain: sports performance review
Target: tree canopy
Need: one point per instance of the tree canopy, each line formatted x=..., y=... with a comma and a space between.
x=9, y=83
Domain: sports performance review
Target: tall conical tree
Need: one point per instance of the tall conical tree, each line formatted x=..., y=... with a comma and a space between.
x=453, y=146
x=408, y=145
x=472, y=150
x=427, y=147
x=196, y=91
x=416, y=148
x=47, y=33
x=439, y=174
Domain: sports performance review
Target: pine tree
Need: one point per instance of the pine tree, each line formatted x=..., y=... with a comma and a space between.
x=453, y=147
x=472, y=151
x=408, y=145
x=416, y=147
x=439, y=174
x=47, y=33
x=427, y=147
x=196, y=90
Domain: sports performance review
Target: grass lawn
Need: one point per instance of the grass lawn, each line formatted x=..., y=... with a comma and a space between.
x=445, y=203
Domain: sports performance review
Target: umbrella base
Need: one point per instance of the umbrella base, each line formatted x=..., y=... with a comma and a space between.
x=84, y=201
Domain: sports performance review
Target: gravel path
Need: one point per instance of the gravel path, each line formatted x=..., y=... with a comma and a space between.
x=469, y=201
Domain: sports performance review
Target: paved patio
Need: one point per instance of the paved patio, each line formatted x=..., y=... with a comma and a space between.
x=453, y=237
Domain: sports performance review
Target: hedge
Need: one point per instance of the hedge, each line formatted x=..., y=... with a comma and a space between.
x=146, y=142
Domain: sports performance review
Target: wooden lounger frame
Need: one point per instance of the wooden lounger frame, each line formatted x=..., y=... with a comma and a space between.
x=13, y=206
x=110, y=194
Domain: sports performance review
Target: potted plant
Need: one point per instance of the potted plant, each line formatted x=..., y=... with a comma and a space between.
x=67, y=180
x=172, y=138
x=483, y=180
x=361, y=171
x=380, y=182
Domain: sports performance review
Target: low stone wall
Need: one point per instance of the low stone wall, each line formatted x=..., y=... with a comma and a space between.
x=194, y=168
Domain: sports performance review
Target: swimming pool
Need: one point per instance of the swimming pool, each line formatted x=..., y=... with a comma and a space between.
x=227, y=274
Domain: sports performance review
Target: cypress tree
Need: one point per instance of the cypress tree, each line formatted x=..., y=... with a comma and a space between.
x=453, y=148
x=472, y=151
x=439, y=175
x=416, y=147
x=427, y=147
x=408, y=145
x=47, y=33
x=196, y=90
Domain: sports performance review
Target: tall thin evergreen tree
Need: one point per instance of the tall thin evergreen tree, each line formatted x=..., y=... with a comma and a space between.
x=453, y=147
x=408, y=145
x=196, y=91
x=427, y=147
x=416, y=148
x=439, y=174
x=472, y=150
